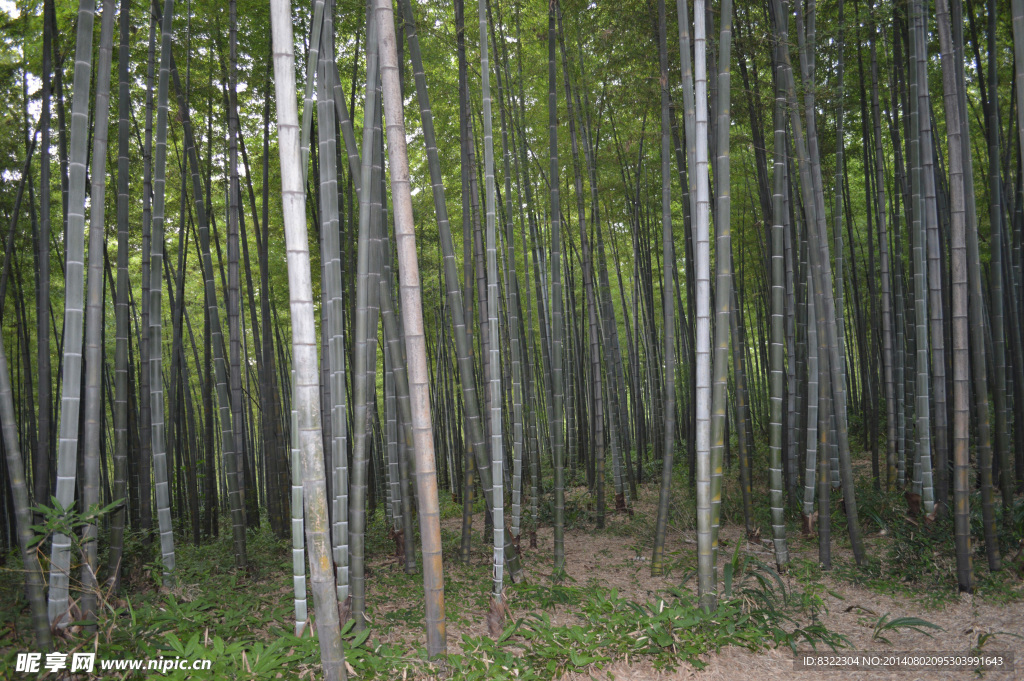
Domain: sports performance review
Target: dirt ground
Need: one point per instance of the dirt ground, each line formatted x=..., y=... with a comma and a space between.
x=623, y=562
x=853, y=616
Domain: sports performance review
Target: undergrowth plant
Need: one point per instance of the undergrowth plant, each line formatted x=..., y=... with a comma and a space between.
x=886, y=624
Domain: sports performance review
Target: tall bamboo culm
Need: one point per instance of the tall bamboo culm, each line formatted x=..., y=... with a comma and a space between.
x=74, y=278
x=415, y=340
x=705, y=567
x=304, y=353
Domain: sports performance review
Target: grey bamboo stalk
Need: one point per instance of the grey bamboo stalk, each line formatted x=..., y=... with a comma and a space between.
x=668, y=309
x=883, y=244
x=744, y=430
x=536, y=426
x=41, y=464
x=395, y=362
x=1018, y=53
x=958, y=248
x=394, y=497
x=94, y=316
x=610, y=342
x=339, y=393
x=233, y=289
x=818, y=252
x=689, y=123
x=689, y=112
x=597, y=401
x=415, y=341
x=819, y=259
x=361, y=389
x=723, y=284
x=795, y=348
x=913, y=200
x=934, y=484
x=331, y=313
x=120, y=409
x=304, y=351
x=837, y=213
x=1001, y=261
x=34, y=584
x=312, y=62
x=976, y=307
x=454, y=295
x=705, y=568
x=272, y=421
x=922, y=461
x=812, y=412
x=806, y=44
x=493, y=357
x=236, y=503
x=453, y=290
x=555, y=419
x=777, y=359
x=512, y=310
x=298, y=544
x=160, y=478
x=824, y=460
x=142, y=470
x=74, y=276
x=795, y=280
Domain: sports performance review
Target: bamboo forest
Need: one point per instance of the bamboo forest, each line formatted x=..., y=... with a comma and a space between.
x=511, y=339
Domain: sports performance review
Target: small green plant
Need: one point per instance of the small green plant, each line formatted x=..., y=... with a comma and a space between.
x=885, y=625
x=985, y=636
x=68, y=521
